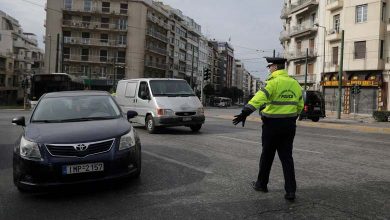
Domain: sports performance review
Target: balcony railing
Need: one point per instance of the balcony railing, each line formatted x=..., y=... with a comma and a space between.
x=157, y=35
x=303, y=28
x=300, y=54
x=301, y=4
x=94, y=42
x=333, y=35
x=284, y=35
x=285, y=12
x=93, y=59
x=158, y=50
x=334, y=4
x=158, y=21
x=20, y=44
x=98, y=10
x=311, y=78
x=94, y=25
x=156, y=65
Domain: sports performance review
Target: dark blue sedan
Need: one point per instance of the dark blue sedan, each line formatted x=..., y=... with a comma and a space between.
x=75, y=137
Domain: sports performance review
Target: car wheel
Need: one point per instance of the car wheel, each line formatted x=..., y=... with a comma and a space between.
x=150, y=125
x=138, y=161
x=315, y=119
x=300, y=118
x=196, y=128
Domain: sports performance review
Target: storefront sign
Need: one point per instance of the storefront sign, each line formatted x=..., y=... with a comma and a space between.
x=364, y=83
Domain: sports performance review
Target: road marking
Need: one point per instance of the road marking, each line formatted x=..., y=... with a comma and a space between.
x=257, y=143
x=202, y=170
x=345, y=138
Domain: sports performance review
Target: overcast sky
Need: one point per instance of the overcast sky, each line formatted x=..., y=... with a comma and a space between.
x=252, y=25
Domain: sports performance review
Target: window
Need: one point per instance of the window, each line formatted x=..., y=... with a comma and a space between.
x=103, y=55
x=122, y=39
x=384, y=11
x=86, y=21
x=335, y=55
x=104, y=38
x=336, y=23
x=85, y=37
x=84, y=54
x=310, y=68
x=66, y=53
x=122, y=23
x=361, y=13
x=121, y=58
x=299, y=46
x=105, y=22
x=68, y=4
x=130, y=90
x=382, y=49
x=105, y=7
x=360, y=50
x=143, y=90
x=313, y=19
x=298, y=69
x=87, y=5
x=124, y=8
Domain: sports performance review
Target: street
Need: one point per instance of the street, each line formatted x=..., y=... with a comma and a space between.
x=340, y=174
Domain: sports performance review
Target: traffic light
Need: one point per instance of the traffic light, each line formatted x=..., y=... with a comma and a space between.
x=206, y=74
x=355, y=89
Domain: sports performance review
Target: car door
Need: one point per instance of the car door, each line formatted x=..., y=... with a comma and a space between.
x=143, y=102
x=127, y=97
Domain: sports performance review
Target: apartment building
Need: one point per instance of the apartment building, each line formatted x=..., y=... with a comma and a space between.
x=240, y=68
x=225, y=64
x=20, y=57
x=366, y=54
x=214, y=64
x=104, y=41
x=302, y=37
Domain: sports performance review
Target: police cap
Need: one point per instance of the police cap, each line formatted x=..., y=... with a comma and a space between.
x=275, y=60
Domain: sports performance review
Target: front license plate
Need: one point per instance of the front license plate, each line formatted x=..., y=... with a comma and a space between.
x=82, y=168
x=187, y=119
x=317, y=108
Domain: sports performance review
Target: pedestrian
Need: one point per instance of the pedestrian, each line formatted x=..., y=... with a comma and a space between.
x=280, y=103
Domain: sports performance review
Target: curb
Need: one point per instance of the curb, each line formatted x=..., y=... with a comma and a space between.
x=346, y=127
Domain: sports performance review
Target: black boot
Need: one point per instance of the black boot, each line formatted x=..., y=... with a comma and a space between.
x=290, y=196
x=257, y=187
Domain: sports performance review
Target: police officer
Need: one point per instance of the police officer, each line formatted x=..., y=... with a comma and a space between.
x=280, y=103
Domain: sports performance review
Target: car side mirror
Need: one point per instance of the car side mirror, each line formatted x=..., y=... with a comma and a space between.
x=21, y=121
x=131, y=114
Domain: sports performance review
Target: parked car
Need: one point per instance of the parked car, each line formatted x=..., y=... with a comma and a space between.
x=75, y=137
x=161, y=103
x=314, y=107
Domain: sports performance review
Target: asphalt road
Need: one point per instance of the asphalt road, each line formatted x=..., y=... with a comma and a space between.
x=340, y=175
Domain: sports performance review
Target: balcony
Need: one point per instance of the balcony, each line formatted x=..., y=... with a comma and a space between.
x=94, y=26
x=388, y=26
x=157, y=35
x=158, y=21
x=334, y=4
x=20, y=44
x=94, y=42
x=333, y=35
x=303, y=29
x=331, y=67
x=97, y=10
x=301, y=54
x=93, y=59
x=311, y=78
x=284, y=36
x=302, y=4
x=285, y=12
x=157, y=50
x=155, y=65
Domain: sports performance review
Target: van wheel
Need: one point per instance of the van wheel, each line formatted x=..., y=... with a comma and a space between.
x=195, y=128
x=150, y=125
x=315, y=119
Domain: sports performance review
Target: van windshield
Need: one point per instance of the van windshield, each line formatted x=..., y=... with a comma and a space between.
x=172, y=88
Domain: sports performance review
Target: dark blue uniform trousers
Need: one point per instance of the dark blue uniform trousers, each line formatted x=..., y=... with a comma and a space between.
x=278, y=135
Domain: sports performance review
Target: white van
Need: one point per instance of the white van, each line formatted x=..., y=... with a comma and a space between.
x=161, y=103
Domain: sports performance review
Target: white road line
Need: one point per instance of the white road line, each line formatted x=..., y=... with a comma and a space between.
x=345, y=138
x=257, y=143
x=177, y=162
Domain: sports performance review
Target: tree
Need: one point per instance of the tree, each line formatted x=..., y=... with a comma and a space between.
x=208, y=90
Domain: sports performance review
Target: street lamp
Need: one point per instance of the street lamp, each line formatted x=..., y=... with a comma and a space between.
x=323, y=61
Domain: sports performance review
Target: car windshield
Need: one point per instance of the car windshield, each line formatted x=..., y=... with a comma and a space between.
x=72, y=109
x=171, y=88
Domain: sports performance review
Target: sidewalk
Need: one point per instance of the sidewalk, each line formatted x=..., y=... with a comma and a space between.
x=359, y=123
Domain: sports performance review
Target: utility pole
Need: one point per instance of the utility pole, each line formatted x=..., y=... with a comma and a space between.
x=49, y=36
x=201, y=88
x=192, y=68
x=62, y=54
x=274, y=53
x=340, y=76
x=307, y=56
x=57, y=51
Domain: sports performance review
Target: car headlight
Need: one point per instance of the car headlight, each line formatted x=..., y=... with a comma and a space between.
x=29, y=150
x=165, y=112
x=200, y=111
x=127, y=141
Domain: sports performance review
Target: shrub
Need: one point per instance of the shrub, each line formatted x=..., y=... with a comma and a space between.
x=381, y=116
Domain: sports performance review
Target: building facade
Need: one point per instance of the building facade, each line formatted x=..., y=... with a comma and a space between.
x=302, y=37
x=366, y=54
x=104, y=41
x=20, y=57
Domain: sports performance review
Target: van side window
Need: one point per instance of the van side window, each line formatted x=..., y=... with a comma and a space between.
x=130, y=89
x=143, y=89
